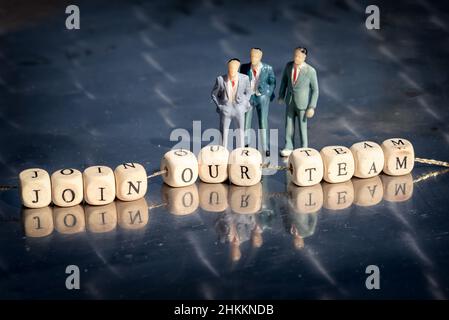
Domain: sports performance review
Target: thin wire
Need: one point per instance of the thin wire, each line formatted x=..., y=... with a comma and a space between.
x=432, y=162
x=157, y=173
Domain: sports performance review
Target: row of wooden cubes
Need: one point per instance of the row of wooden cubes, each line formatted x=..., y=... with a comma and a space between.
x=99, y=185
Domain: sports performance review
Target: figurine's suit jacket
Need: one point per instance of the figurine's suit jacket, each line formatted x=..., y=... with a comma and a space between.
x=221, y=99
x=267, y=79
x=305, y=92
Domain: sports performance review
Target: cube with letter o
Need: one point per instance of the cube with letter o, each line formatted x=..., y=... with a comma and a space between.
x=181, y=166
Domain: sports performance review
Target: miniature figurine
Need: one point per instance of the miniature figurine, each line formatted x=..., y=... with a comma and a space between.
x=299, y=90
x=263, y=83
x=231, y=94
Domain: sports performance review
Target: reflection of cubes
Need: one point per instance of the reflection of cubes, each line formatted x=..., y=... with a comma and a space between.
x=35, y=188
x=338, y=196
x=69, y=220
x=368, y=159
x=213, y=164
x=181, y=166
x=132, y=215
x=306, y=166
x=181, y=201
x=213, y=197
x=367, y=192
x=67, y=187
x=338, y=164
x=38, y=222
x=246, y=200
x=130, y=181
x=101, y=219
x=305, y=200
x=399, y=156
x=245, y=166
x=397, y=189
x=99, y=185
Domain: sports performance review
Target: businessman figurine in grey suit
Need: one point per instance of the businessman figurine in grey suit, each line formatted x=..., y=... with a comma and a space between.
x=231, y=94
x=299, y=90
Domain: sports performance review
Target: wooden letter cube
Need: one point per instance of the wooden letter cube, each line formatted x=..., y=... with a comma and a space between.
x=213, y=164
x=130, y=181
x=101, y=219
x=246, y=200
x=368, y=159
x=306, y=167
x=305, y=200
x=99, y=185
x=245, y=166
x=397, y=189
x=181, y=166
x=67, y=187
x=368, y=192
x=399, y=156
x=213, y=197
x=35, y=188
x=338, y=164
x=38, y=222
x=132, y=215
x=338, y=196
x=181, y=201
x=69, y=220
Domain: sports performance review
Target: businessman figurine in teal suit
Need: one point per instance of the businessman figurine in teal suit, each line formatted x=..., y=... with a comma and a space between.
x=263, y=83
x=299, y=91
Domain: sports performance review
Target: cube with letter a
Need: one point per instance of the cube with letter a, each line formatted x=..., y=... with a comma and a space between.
x=245, y=166
x=368, y=159
x=213, y=164
x=181, y=166
x=399, y=156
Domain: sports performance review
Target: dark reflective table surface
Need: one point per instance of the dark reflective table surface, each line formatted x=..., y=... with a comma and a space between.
x=114, y=90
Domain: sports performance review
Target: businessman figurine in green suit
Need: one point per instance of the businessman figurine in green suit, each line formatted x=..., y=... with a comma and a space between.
x=299, y=91
x=263, y=83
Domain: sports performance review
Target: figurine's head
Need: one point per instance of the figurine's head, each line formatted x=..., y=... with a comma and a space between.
x=233, y=67
x=300, y=55
x=255, y=56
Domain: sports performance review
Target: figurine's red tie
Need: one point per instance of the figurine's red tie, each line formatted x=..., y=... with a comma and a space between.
x=255, y=72
x=233, y=83
x=295, y=73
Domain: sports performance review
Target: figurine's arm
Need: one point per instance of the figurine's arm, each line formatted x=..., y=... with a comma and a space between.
x=283, y=87
x=272, y=83
x=214, y=93
x=315, y=90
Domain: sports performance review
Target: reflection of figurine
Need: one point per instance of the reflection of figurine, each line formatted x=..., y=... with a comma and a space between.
x=299, y=90
x=231, y=94
x=263, y=83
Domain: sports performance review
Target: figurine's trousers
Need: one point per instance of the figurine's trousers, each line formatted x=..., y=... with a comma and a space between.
x=293, y=114
x=239, y=122
x=262, y=105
